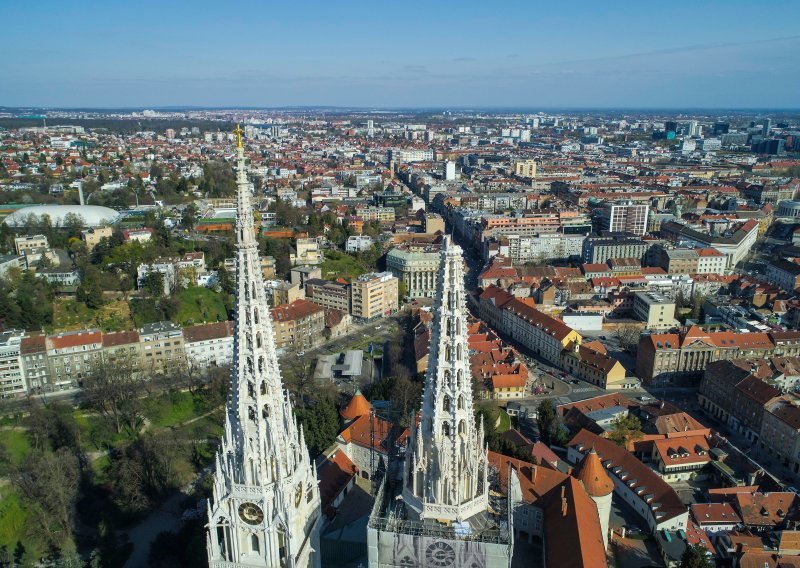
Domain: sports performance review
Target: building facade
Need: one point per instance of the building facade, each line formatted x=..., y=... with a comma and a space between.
x=373, y=296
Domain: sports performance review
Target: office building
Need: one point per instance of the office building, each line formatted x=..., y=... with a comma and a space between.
x=624, y=217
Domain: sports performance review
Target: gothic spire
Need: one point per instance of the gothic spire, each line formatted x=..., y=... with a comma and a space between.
x=446, y=476
x=265, y=496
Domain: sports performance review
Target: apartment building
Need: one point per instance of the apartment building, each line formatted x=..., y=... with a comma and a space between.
x=655, y=310
x=72, y=356
x=30, y=243
x=537, y=331
x=33, y=354
x=597, y=250
x=547, y=246
x=209, y=344
x=380, y=214
x=10, y=262
x=410, y=155
x=331, y=294
x=524, y=168
x=624, y=217
x=784, y=274
x=710, y=261
x=592, y=363
x=91, y=237
x=162, y=347
x=374, y=296
x=12, y=378
x=299, y=324
x=308, y=252
x=122, y=347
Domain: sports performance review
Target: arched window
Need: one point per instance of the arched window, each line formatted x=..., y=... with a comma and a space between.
x=447, y=378
x=263, y=387
x=461, y=402
x=459, y=378
x=261, y=364
x=448, y=353
x=446, y=403
x=462, y=427
x=446, y=429
x=258, y=340
x=250, y=365
x=458, y=352
x=251, y=390
x=254, y=543
x=265, y=411
x=255, y=315
x=251, y=413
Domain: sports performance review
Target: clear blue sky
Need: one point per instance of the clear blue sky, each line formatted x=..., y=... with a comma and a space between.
x=438, y=53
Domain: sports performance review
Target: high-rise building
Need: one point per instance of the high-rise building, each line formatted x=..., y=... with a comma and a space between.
x=449, y=170
x=767, y=127
x=624, y=217
x=441, y=515
x=265, y=507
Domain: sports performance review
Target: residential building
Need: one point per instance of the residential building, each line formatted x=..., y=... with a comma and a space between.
x=678, y=260
x=416, y=265
x=167, y=267
x=331, y=294
x=543, y=334
x=524, y=168
x=162, y=347
x=12, y=377
x=302, y=274
x=308, y=252
x=298, y=325
x=735, y=243
x=209, y=344
x=433, y=223
x=10, y=262
x=35, y=367
x=597, y=250
x=358, y=243
x=91, y=237
x=710, y=261
x=655, y=310
x=282, y=292
x=29, y=243
x=122, y=347
x=72, y=356
x=715, y=517
x=538, y=248
x=373, y=296
x=591, y=362
x=784, y=274
x=624, y=217
x=410, y=155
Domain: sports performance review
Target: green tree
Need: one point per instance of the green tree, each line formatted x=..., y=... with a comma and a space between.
x=625, y=429
x=547, y=421
x=153, y=284
x=89, y=291
x=696, y=556
x=189, y=216
x=320, y=422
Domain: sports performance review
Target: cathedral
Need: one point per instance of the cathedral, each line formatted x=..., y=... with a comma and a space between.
x=265, y=509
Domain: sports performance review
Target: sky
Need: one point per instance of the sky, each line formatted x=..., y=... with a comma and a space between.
x=439, y=54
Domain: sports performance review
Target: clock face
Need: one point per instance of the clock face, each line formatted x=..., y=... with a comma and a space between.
x=440, y=554
x=251, y=513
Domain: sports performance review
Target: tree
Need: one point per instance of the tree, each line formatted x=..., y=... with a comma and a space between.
x=89, y=291
x=189, y=216
x=625, y=429
x=547, y=421
x=320, y=422
x=695, y=556
x=627, y=335
x=153, y=283
x=49, y=481
x=405, y=393
x=114, y=389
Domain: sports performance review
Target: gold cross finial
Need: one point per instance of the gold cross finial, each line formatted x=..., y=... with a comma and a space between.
x=239, y=133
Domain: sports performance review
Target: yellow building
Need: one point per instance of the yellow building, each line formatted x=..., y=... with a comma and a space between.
x=373, y=296
x=92, y=237
x=524, y=168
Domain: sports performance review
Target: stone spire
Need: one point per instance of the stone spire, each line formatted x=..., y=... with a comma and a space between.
x=266, y=505
x=446, y=462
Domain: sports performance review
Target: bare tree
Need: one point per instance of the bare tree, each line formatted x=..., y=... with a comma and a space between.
x=50, y=481
x=115, y=390
x=628, y=336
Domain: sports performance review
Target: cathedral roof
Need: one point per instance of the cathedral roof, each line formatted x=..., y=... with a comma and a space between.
x=358, y=406
x=594, y=477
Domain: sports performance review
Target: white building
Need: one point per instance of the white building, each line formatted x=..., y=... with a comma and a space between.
x=209, y=344
x=358, y=243
x=12, y=380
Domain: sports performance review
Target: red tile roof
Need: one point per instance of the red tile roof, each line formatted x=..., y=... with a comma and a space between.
x=205, y=332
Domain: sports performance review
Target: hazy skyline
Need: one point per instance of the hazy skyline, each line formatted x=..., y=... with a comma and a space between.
x=509, y=54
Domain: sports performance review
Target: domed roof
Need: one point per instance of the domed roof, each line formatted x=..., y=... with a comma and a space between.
x=593, y=475
x=358, y=406
x=91, y=215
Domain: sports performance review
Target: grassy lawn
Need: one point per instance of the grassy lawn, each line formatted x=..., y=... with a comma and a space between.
x=144, y=311
x=16, y=444
x=505, y=422
x=200, y=305
x=70, y=315
x=340, y=264
x=13, y=520
x=171, y=409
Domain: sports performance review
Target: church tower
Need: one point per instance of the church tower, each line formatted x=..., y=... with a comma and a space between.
x=446, y=465
x=599, y=487
x=265, y=507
